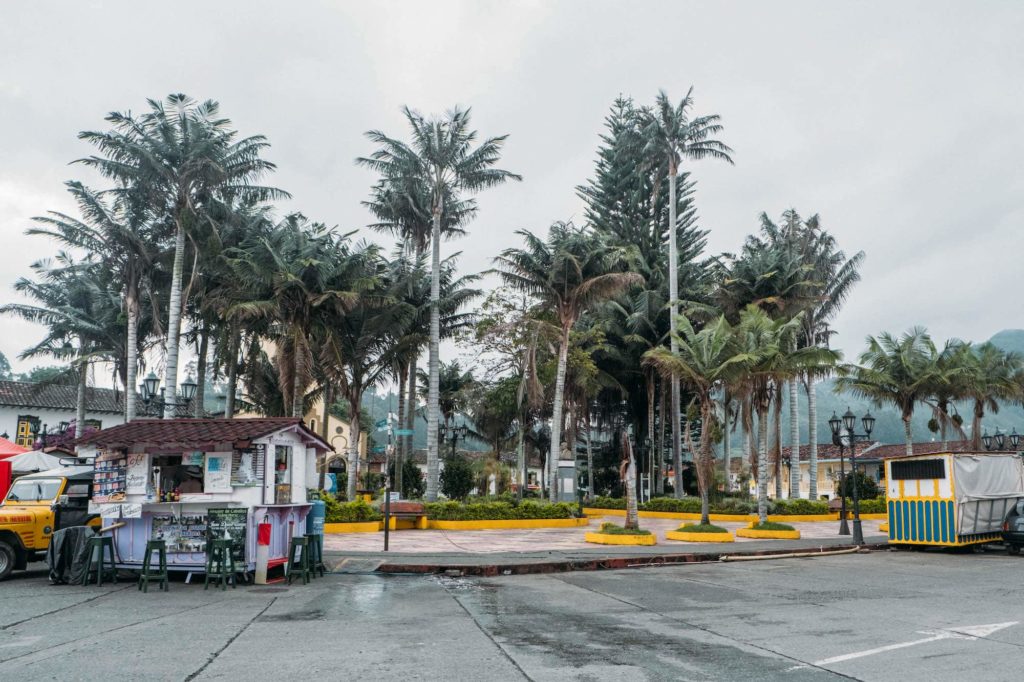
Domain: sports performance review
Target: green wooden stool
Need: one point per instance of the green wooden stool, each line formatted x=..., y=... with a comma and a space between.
x=96, y=546
x=158, y=574
x=302, y=564
x=220, y=564
x=316, y=554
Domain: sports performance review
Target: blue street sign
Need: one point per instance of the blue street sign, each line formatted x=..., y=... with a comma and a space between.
x=403, y=432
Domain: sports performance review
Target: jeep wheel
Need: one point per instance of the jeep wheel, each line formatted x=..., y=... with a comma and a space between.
x=1013, y=549
x=7, y=559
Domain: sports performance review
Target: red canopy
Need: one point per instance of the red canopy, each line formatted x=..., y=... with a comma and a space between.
x=9, y=449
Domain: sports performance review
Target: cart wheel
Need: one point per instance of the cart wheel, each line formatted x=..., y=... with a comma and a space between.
x=1013, y=549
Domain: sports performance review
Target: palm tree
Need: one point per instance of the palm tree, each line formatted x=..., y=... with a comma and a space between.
x=952, y=368
x=178, y=157
x=454, y=386
x=992, y=374
x=439, y=165
x=567, y=274
x=707, y=362
x=124, y=240
x=897, y=371
x=672, y=136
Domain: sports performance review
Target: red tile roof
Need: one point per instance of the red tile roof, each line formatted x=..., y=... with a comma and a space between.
x=198, y=434
x=876, y=450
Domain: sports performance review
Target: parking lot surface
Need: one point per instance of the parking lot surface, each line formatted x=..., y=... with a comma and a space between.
x=879, y=616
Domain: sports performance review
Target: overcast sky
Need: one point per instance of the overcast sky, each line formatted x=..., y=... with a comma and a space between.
x=900, y=123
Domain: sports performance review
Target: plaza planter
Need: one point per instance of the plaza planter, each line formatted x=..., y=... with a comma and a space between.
x=883, y=528
x=615, y=539
x=751, y=532
x=506, y=524
x=686, y=536
x=357, y=527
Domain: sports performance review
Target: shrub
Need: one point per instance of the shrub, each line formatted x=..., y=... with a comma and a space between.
x=867, y=489
x=349, y=512
x=668, y=504
x=702, y=528
x=601, y=502
x=457, y=477
x=875, y=506
x=772, y=525
x=797, y=507
x=490, y=511
x=609, y=528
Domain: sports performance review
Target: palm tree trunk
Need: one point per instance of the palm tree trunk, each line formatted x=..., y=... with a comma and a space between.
x=649, y=379
x=777, y=438
x=298, y=386
x=521, y=460
x=132, y=356
x=174, y=323
x=673, y=295
x=433, y=393
x=979, y=412
x=353, y=444
x=812, y=437
x=632, y=513
x=556, y=415
x=400, y=446
x=762, y=469
x=83, y=378
x=410, y=407
x=726, y=444
x=943, y=423
x=660, y=447
x=794, y=440
x=324, y=431
x=204, y=351
x=706, y=468
x=229, y=399
x=748, y=435
x=908, y=433
x=590, y=456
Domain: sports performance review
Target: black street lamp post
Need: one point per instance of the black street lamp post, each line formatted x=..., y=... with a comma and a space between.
x=838, y=426
x=43, y=435
x=154, y=401
x=456, y=431
x=999, y=440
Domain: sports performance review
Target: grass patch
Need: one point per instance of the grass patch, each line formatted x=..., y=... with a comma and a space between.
x=702, y=528
x=772, y=525
x=609, y=528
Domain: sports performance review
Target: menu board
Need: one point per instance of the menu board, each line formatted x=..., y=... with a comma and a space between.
x=231, y=523
x=108, y=483
x=136, y=474
x=248, y=466
x=184, y=534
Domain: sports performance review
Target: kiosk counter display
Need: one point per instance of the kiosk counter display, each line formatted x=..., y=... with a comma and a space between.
x=197, y=480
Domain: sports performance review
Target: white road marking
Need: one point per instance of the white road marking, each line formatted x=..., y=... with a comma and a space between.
x=27, y=640
x=968, y=632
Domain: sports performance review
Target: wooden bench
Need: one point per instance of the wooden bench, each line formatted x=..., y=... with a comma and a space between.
x=407, y=511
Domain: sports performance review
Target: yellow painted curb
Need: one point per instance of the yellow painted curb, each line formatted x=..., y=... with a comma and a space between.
x=874, y=517
x=609, y=539
x=767, y=534
x=507, y=524
x=363, y=527
x=686, y=536
x=883, y=528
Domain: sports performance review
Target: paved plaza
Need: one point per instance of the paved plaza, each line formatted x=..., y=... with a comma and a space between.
x=546, y=539
x=930, y=616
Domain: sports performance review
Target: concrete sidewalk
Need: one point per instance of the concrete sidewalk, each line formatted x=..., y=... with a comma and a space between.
x=558, y=550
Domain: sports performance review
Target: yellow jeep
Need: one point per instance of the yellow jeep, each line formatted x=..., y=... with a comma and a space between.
x=36, y=506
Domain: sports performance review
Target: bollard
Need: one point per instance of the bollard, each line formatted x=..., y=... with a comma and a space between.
x=262, y=551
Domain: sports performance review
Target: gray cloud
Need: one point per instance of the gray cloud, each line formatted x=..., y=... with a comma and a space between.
x=900, y=123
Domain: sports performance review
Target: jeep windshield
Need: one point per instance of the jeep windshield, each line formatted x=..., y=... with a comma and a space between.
x=34, y=490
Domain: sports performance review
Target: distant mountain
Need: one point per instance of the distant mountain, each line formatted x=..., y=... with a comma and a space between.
x=889, y=426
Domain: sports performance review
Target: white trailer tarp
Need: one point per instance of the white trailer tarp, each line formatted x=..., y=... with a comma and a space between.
x=986, y=486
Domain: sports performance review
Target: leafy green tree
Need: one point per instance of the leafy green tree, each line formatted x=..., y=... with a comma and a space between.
x=992, y=375
x=439, y=165
x=457, y=479
x=5, y=368
x=177, y=158
x=867, y=489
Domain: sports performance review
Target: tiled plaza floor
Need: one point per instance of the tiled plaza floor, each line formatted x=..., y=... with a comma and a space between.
x=544, y=539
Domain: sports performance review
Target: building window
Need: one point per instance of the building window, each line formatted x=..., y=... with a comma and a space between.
x=24, y=436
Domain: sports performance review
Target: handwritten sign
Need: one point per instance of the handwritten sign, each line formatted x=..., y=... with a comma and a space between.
x=137, y=474
x=229, y=523
x=119, y=511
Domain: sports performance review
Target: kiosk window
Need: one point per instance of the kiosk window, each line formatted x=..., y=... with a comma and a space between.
x=918, y=469
x=172, y=472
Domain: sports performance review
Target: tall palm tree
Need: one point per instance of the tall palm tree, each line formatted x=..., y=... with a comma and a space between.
x=439, y=164
x=124, y=240
x=897, y=371
x=567, y=274
x=178, y=157
x=992, y=375
x=952, y=376
x=673, y=136
x=708, y=361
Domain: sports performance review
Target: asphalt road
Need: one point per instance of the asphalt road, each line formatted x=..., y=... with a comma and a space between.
x=879, y=616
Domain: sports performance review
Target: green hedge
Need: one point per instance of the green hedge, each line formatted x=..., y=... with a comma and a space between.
x=875, y=506
x=728, y=505
x=349, y=512
x=491, y=511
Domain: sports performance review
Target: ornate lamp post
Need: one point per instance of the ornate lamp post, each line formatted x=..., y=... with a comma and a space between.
x=838, y=427
x=457, y=432
x=153, y=399
x=999, y=440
